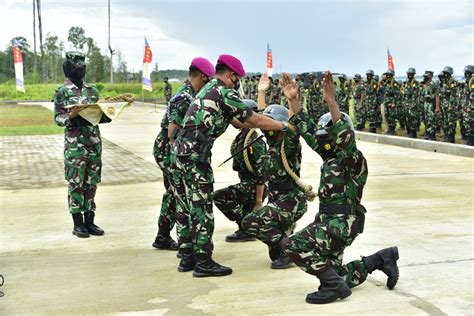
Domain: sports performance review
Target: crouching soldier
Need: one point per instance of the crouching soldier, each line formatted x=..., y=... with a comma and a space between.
x=319, y=248
x=236, y=201
x=286, y=200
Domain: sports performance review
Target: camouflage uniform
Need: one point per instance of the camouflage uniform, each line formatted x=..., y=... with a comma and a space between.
x=172, y=206
x=449, y=106
x=253, y=89
x=429, y=92
x=286, y=201
x=391, y=98
x=359, y=107
x=467, y=103
x=246, y=88
x=371, y=103
x=321, y=244
x=278, y=94
x=168, y=91
x=410, y=93
x=236, y=201
x=342, y=97
x=206, y=119
x=314, y=103
x=269, y=93
x=82, y=146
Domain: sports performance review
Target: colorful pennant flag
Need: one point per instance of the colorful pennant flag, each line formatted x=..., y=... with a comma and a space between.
x=147, y=59
x=18, y=61
x=390, y=61
x=269, y=61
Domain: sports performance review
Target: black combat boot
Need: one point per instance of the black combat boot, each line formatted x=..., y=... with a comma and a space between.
x=332, y=287
x=275, y=250
x=385, y=260
x=451, y=138
x=239, y=236
x=372, y=130
x=165, y=242
x=80, y=230
x=91, y=227
x=188, y=262
x=426, y=136
x=470, y=140
x=283, y=262
x=433, y=136
x=445, y=138
x=206, y=267
x=412, y=133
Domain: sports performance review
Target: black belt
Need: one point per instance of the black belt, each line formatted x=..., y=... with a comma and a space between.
x=332, y=209
x=281, y=186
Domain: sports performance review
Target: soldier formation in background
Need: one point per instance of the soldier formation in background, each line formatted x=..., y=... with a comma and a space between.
x=405, y=106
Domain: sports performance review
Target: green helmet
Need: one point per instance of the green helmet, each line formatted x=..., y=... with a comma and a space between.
x=370, y=72
x=358, y=76
x=390, y=72
x=448, y=69
x=277, y=112
x=325, y=121
x=411, y=70
x=342, y=76
x=469, y=68
x=76, y=58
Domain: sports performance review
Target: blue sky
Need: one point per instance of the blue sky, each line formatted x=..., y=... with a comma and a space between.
x=343, y=36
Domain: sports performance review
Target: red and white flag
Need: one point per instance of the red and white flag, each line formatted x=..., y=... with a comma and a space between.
x=18, y=61
x=269, y=61
x=390, y=61
x=147, y=58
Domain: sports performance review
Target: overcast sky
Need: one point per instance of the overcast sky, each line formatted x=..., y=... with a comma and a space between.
x=343, y=36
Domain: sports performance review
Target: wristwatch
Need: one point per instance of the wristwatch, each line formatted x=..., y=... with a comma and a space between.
x=285, y=126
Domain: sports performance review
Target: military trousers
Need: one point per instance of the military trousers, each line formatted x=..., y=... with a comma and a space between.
x=278, y=217
x=82, y=171
x=321, y=245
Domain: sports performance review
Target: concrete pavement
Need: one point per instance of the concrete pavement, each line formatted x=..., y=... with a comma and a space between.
x=417, y=200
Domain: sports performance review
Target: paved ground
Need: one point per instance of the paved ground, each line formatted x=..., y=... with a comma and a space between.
x=417, y=200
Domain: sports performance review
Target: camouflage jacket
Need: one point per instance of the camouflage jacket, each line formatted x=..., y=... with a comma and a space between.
x=208, y=117
x=410, y=92
x=391, y=92
x=449, y=93
x=315, y=94
x=342, y=177
x=256, y=154
x=78, y=130
x=167, y=89
x=342, y=95
x=277, y=175
x=466, y=94
x=429, y=92
x=178, y=105
x=371, y=91
x=277, y=94
x=357, y=93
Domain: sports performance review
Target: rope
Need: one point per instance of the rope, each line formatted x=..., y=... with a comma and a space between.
x=124, y=97
x=246, y=155
x=308, y=190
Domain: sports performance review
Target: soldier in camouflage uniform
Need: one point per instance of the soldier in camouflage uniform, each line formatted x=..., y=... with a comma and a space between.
x=449, y=104
x=236, y=201
x=440, y=113
x=359, y=109
x=342, y=94
x=277, y=93
x=287, y=201
x=82, y=144
x=466, y=98
x=301, y=89
x=167, y=90
x=410, y=93
x=314, y=97
x=269, y=92
x=213, y=109
x=370, y=100
x=319, y=248
x=390, y=103
x=430, y=96
x=200, y=72
x=246, y=88
x=380, y=98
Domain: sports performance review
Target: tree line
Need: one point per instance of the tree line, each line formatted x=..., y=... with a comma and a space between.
x=49, y=63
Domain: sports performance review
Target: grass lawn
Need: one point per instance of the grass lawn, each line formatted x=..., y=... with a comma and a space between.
x=27, y=120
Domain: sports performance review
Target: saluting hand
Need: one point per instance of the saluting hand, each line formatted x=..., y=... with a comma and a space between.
x=329, y=88
x=289, y=86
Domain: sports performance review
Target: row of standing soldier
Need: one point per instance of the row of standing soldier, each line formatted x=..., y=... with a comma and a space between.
x=439, y=105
